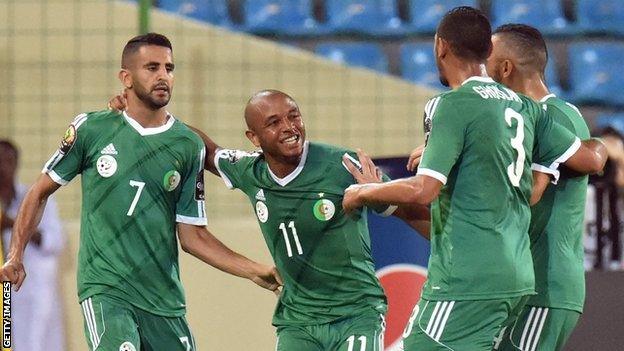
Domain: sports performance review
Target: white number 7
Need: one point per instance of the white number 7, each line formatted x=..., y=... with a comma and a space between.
x=140, y=186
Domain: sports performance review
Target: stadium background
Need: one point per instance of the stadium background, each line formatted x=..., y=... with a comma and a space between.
x=61, y=57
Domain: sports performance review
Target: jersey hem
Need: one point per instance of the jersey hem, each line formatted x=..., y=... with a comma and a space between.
x=433, y=174
x=477, y=296
x=561, y=306
x=543, y=169
x=191, y=220
x=55, y=177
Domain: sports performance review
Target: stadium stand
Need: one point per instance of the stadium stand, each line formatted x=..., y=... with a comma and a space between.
x=546, y=15
x=605, y=16
x=596, y=74
x=418, y=65
x=425, y=14
x=367, y=55
x=282, y=17
x=212, y=11
x=368, y=17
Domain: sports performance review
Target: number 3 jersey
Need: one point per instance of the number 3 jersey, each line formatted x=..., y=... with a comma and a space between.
x=323, y=255
x=480, y=145
x=136, y=184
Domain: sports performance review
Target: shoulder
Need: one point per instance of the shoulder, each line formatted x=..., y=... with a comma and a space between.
x=234, y=156
x=329, y=157
x=187, y=134
x=435, y=102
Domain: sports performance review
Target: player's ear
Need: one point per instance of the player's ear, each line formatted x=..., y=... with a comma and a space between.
x=253, y=138
x=126, y=78
x=506, y=68
x=441, y=47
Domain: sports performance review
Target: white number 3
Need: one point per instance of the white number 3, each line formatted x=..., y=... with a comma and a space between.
x=514, y=170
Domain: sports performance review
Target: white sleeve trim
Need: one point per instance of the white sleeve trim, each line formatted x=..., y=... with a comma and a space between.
x=224, y=177
x=433, y=174
x=388, y=212
x=543, y=169
x=567, y=154
x=55, y=177
x=191, y=220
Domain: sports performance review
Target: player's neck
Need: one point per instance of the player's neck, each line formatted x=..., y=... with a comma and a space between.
x=282, y=167
x=533, y=87
x=145, y=116
x=463, y=70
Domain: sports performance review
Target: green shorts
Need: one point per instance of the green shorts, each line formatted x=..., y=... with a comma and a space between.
x=359, y=333
x=538, y=329
x=111, y=323
x=459, y=325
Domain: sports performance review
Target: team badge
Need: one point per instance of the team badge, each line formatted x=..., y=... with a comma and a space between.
x=199, y=186
x=127, y=346
x=171, y=180
x=69, y=139
x=324, y=210
x=106, y=166
x=262, y=211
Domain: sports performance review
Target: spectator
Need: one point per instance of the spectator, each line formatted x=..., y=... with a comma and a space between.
x=36, y=312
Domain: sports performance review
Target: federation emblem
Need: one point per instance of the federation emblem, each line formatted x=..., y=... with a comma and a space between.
x=69, y=139
x=324, y=210
x=262, y=211
x=127, y=346
x=171, y=180
x=106, y=166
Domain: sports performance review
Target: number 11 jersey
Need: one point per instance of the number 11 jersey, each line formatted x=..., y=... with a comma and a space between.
x=480, y=145
x=136, y=184
x=323, y=255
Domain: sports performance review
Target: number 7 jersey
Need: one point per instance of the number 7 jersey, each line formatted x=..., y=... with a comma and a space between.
x=136, y=184
x=323, y=255
x=480, y=145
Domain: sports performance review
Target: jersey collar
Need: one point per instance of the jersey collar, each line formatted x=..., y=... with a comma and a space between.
x=479, y=79
x=289, y=178
x=547, y=97
x=149, y=131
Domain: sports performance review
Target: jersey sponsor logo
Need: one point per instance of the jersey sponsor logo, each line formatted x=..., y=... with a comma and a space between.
x=127, y=346
x=171, y=180
x=324, y=210
x=109, y=150
x=199, y=186
x=260, y=195
x=106, y=165
x=262, y=211
x=69, y=139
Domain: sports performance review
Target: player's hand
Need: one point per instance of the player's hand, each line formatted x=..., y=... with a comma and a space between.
x=369, y=173
x=414, y=158
x=268, y=278
x=13, y=271
x=118, y=102
x=352, y=199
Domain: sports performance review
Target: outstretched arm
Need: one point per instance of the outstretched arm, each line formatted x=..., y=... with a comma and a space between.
x=211, y=150
x=25, y=225
x=590, y=158
x=199, y=242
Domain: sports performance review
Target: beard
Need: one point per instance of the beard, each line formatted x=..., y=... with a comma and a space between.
x=443, y=80
x=149, y=100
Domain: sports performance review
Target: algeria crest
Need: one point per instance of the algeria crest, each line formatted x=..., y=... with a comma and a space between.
x=127, y=346
x=262, y=211
x=69, y=138
x=324, y=210
x=106, y=165
x=171, y=180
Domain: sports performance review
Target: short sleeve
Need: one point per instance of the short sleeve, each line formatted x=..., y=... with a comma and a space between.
x=67, y=161
x=445, y=141
x=190, y=208
x=554, y=144
x=232, y=164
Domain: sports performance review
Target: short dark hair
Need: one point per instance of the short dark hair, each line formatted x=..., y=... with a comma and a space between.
x=468, y=31
x=133, y=45
x=528, y=43
x=7, y=144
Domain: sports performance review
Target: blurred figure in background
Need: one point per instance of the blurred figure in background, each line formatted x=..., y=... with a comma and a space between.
x=36, y=308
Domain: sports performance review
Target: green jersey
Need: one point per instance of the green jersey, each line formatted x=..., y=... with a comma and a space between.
x=557, y=226
x=323, y=255
x=136, y=184
x=480, y=146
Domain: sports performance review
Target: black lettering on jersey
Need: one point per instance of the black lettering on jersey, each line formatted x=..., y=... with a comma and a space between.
x=199, y=186
x=234, y=156
x=426, y=127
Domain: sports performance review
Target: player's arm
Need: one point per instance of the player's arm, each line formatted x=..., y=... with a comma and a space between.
x=540, y=183
x=25, y=225
x=199, y=242
x=419, y=190
x=211, y=151
x=590, y=158
x=416, y=216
